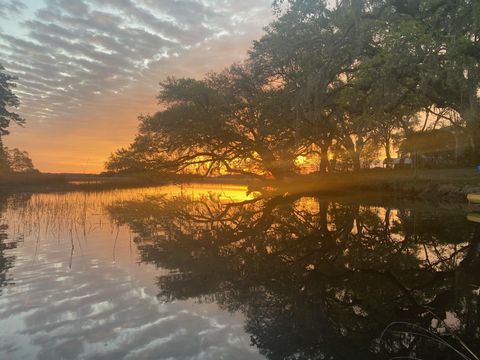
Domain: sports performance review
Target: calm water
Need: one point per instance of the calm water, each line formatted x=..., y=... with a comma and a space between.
x=207, y=272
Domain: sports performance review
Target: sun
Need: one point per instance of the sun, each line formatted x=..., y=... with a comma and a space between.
x=300, y=160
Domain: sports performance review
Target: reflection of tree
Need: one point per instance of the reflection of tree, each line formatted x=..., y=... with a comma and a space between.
x=6, y=262
x=6, y=245
x=315, y=278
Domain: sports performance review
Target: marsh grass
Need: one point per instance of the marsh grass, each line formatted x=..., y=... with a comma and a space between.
x=67, y=218
x=445, y=338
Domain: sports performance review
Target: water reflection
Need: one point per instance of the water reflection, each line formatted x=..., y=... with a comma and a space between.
x=81, y=293
x=209, y=272
x=320, y=279
x=8, y=243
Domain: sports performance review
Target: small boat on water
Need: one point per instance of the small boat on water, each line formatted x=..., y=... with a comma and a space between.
x=474, y=217
x=473, y=198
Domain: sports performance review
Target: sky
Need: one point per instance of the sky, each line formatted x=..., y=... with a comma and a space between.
x=88, y=68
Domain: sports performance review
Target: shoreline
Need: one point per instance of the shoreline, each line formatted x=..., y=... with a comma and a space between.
x=450, y=185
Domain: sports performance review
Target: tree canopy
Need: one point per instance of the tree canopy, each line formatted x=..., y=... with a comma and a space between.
x=326, y=82
x=8, y=100
x=11, y=160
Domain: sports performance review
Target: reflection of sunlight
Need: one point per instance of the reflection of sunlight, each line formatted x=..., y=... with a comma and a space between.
x=148, y=270
x=80, y=290
x=75, y=204
x=225, y=192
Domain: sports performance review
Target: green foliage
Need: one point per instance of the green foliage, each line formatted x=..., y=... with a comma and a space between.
x=10, y=160
x=8, y=100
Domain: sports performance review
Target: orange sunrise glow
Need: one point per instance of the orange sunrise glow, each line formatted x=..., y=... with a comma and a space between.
x=239, y=179
x=79, y=117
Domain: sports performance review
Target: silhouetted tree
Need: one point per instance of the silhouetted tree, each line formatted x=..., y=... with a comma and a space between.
x=329, y=80
x=19, y=161
x=226, y=123
x=428, y=54
x=7, y=100
x=314, y=51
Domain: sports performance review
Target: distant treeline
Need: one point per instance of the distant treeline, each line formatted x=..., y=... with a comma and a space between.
x=11, y=160
x=328, y=87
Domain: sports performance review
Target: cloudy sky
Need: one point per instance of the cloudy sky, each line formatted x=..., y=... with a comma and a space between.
x=88, y=68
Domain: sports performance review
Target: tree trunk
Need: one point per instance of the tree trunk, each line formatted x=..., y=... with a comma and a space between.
x=4, y=167
x=473, y=126
x=279, y=169
x=387, y=149
x=324, y=162
x=356, y=160
x=475, y=131
x=354, y=149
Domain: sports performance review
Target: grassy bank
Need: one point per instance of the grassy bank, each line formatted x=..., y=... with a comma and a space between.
x=439, y=184
x=16, y=180
x=428, y=184
x=68, y=182
x=92, y=182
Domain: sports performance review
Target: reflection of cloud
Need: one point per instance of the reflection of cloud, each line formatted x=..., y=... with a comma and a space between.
x=104, y=314
x=99, y=309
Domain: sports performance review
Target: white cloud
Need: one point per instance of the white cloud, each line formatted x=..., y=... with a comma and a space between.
x=78, y=50
x=11, y=7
